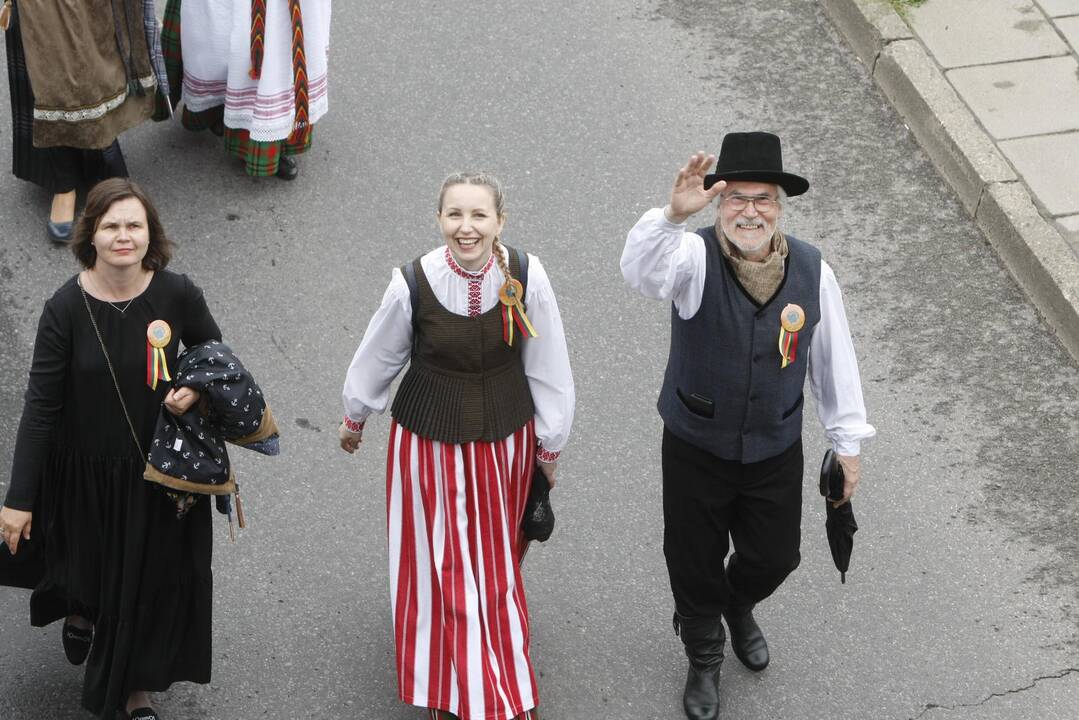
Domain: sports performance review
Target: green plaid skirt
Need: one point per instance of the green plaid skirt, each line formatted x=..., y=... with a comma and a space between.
x=260, y=158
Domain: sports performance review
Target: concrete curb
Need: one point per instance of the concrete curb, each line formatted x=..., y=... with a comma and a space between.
x=1029, y=245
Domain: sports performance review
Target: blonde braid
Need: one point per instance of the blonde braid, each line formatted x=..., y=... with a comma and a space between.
x=500, y=258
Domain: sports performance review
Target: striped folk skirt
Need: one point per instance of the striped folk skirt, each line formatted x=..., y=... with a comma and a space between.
x=455, y=549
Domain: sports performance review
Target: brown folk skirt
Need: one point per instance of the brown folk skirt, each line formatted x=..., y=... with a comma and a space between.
x=56, y=169
x=90, y=69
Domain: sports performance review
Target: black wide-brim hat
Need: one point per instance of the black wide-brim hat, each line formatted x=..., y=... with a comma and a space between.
x=754, y=157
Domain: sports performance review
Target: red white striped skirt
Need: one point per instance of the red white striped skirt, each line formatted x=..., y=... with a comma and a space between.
x=455, y=548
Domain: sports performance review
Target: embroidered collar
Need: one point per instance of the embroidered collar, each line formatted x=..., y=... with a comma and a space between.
x=468, y=274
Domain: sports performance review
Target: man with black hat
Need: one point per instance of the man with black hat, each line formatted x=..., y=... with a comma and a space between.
x=753, y=312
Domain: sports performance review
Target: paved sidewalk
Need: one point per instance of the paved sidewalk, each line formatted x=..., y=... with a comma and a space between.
x=991, y=90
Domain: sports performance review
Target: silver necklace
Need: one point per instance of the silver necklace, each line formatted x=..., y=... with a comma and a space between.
x=115, y=305
x=123, y=309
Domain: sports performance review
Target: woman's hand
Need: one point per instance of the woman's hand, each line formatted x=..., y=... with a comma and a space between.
x=688, y=194
x=548, y=470
x=14, y=526
x=179, y=400
x=350, y=441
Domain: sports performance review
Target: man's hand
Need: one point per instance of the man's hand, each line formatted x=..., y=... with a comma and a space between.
x=14, y=526
x=179, y=400
x=688, y=194
x=350, y=441
x=852, y=473
x=548, y=470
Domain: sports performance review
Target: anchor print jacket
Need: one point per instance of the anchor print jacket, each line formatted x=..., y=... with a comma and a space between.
x=188, y=451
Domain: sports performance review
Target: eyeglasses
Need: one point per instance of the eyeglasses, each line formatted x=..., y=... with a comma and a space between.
x=763, y=203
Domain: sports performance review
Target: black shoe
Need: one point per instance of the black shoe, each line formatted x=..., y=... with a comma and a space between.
x=747, y=640
x=59, y=232
x=287, y=169
x=704, y=639
x=76, y=643
x=142, y=713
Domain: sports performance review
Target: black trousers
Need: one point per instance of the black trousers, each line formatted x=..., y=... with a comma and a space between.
x=707, y=503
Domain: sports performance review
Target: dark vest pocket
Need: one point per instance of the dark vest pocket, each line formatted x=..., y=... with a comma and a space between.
x=795, y=406
x=697, y=404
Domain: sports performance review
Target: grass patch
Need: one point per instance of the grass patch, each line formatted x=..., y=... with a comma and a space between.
x=903, y=6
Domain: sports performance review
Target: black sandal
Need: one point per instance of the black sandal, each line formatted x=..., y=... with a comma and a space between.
x=142, y=713
x=76, y=642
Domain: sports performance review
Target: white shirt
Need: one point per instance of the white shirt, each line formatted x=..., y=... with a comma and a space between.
x=663, y=261
x=387, y=343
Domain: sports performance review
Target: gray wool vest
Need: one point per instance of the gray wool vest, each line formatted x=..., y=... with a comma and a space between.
x=724, y=390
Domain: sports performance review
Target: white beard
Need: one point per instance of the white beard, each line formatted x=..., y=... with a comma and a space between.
x=750, y=250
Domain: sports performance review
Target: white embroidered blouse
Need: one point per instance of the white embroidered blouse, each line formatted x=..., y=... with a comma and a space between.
x=387, y=343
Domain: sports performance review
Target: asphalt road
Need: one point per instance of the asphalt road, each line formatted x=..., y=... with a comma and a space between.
x=962, y=599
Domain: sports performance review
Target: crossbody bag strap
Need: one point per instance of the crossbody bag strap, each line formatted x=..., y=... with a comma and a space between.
x=522, y=260
x=108, y=362
x=409, y=271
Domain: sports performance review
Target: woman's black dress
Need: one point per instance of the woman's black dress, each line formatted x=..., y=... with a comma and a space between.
x=109, y=546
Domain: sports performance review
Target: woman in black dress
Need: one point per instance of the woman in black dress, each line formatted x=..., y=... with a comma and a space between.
x=108, y=551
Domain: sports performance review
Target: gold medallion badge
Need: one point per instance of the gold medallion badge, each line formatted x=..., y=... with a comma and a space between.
x=511, y=294
x=158, y=337
x=791, y=320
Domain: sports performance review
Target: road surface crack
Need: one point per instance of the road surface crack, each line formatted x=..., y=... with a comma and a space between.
x=1014, y=691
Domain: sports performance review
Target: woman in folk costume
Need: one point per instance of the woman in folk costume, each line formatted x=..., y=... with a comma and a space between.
x=253, y=71
x=80, y=73
x=100, y=546
x=488, y=394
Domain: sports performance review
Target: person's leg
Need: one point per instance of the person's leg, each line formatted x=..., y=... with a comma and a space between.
x=696, y=514
x=66, y=165
x=697, y=500
x=139, y=700
x=766, y=530
x=63, y=207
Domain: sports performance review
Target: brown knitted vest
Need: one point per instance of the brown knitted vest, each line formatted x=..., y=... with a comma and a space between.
x=464, y=382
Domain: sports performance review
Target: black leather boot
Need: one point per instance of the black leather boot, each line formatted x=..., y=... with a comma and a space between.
x=747, y=640
x=704, y=638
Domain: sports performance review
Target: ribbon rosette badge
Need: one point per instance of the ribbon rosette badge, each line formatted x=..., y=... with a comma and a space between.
x=791, y=321
x=158, y=337
x=513, y=311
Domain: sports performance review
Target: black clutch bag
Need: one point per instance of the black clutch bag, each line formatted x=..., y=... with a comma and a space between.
x=538, y=523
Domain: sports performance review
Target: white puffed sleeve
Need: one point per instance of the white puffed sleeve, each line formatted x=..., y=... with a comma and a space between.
x=384, y=350
x=664, y=262
x=546, y=364
x=833, y=372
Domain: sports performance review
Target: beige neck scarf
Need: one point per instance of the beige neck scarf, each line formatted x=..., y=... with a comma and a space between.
x=760, y=279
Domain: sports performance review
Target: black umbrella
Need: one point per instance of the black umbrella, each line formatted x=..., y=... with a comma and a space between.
x=538, y=522
x=840, y=524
